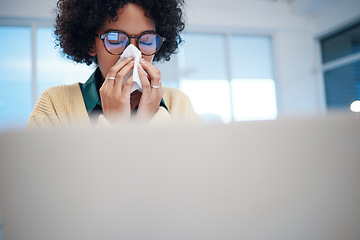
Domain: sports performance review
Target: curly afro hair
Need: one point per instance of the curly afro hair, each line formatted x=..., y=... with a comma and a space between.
x=78, y=20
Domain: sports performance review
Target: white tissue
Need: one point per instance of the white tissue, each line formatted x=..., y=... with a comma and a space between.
x=133, y=52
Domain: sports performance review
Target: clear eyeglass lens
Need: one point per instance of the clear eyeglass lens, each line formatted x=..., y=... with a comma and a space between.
x=116, y=42
x=149, y=43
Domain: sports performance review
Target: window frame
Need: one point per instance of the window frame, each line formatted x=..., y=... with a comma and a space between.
x=336, y=63
x=228, y=32
x=33, y=24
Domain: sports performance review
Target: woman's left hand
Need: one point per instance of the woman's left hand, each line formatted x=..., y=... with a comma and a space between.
x=152, y=90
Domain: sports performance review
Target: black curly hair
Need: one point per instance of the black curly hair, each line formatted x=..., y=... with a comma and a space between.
x=78, y=20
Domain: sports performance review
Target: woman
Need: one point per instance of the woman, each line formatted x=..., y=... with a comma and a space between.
x=98, y=31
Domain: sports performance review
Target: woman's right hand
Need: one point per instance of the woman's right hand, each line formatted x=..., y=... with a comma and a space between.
x=114, y=94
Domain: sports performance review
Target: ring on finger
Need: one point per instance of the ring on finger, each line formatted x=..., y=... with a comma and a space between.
x=156, y=86
x=110, y=78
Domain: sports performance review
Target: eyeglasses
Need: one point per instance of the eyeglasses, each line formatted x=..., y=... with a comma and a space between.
x=148, y=42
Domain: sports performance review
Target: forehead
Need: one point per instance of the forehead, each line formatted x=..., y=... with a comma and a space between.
x=131, y=19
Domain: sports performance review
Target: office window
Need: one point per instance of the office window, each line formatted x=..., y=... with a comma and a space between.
x=243, y=91
x=252, y=83
x=341, y=44
x=15, y=76
x=342, y=86
x=16, y=68
x=254, y=99
x=210, y=98
x=204, y=75
x=341, y=64
x=52, y=68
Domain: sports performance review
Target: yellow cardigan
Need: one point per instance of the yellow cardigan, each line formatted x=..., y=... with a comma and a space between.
x=63, y=106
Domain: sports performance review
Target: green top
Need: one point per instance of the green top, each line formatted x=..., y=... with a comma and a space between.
x=90, y=92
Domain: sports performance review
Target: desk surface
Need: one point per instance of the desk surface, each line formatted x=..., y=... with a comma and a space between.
x=289, y=179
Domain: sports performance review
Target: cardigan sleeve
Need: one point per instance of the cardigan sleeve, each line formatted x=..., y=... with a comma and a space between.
x=44, y=114
x=63, y=106
x=60, y=106
x=180, y=107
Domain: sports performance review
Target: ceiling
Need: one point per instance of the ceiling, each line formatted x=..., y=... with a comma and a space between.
x=303, y=7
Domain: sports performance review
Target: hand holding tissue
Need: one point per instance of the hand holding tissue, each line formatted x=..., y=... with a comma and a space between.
x=133, y=52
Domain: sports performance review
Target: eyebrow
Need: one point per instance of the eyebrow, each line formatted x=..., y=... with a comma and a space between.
x=117, y=30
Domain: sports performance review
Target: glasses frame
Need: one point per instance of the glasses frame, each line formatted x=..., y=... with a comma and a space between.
x=103, y=36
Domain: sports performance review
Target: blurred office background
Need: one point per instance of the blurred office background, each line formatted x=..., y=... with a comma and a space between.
x=242, y=60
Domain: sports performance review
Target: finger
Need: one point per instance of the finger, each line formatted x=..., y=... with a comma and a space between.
x=120, y=76
x=144, y=80
x=154, y=73
x=128, y=86
x=118, y=66
x=107, y=86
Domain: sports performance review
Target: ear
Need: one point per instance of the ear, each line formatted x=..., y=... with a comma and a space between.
x=92, y=51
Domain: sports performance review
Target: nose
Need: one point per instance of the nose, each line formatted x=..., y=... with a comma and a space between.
x=133, y=41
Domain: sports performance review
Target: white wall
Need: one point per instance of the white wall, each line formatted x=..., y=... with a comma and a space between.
x=27, y=9
x=334, y=14
x=296, y=78
x=248, y=14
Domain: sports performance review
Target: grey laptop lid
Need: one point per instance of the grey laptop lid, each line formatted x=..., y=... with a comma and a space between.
x=294, y=179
